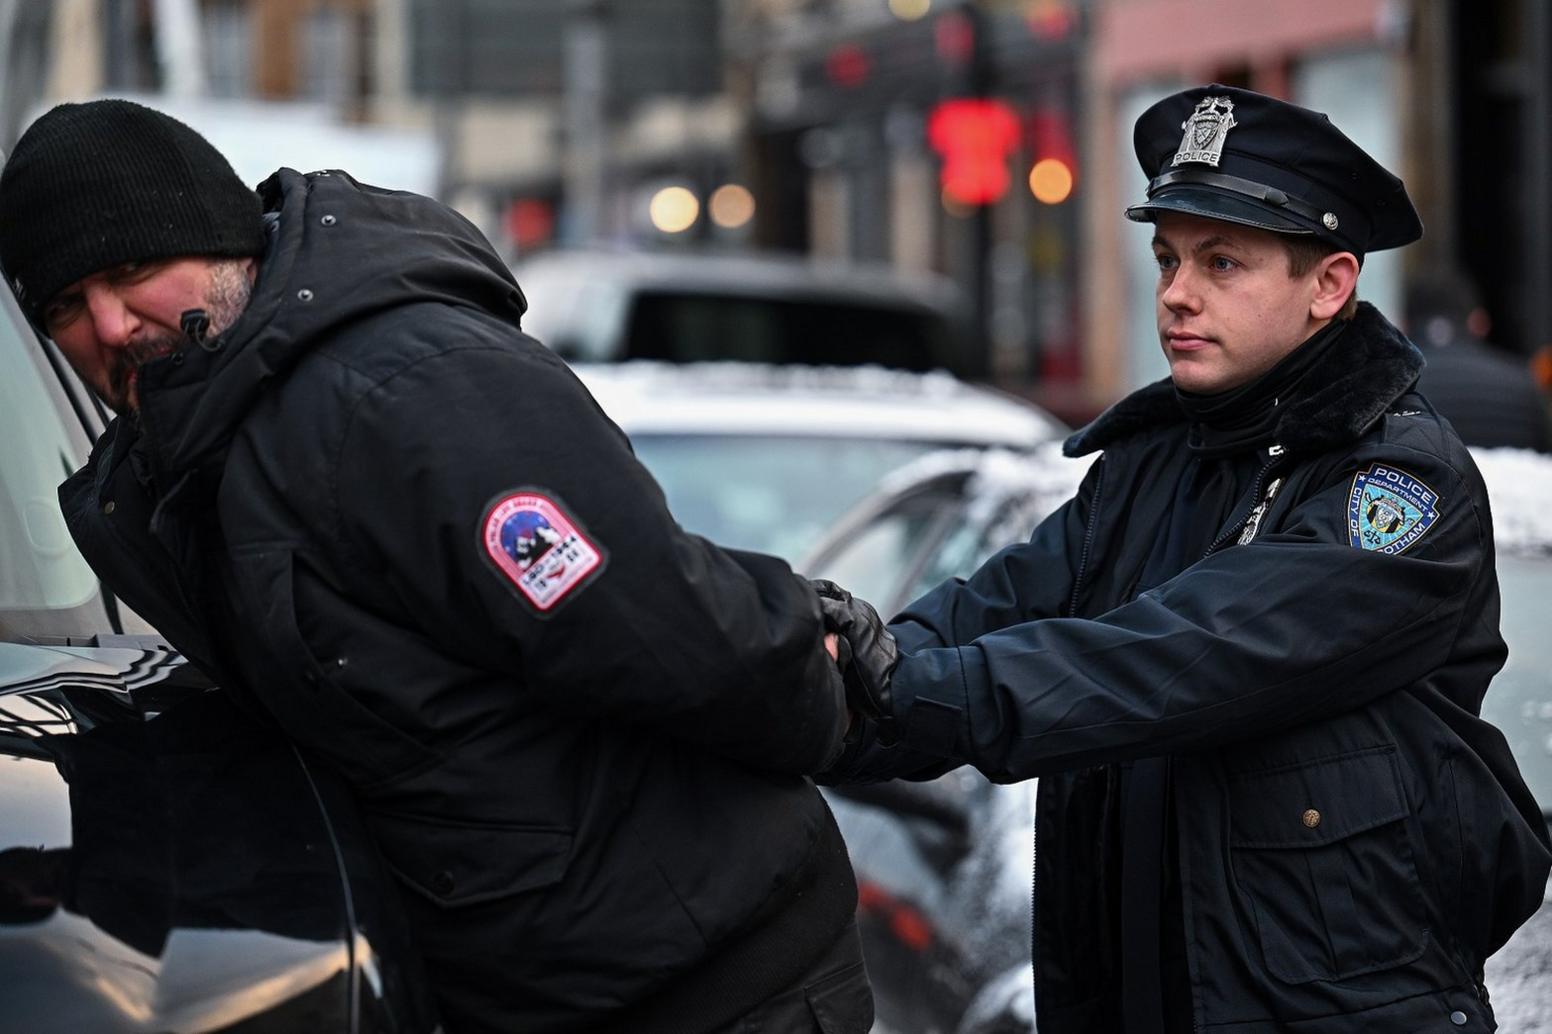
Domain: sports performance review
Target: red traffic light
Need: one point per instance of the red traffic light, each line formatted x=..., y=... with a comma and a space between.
x=974, y=137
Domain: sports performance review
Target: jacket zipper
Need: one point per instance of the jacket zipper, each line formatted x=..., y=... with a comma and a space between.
x=1088, y=538
x=1034, y=824
x=1238, y=524
x=1274, y=454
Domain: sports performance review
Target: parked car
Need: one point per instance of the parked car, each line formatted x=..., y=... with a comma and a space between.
x=954, y=855
x=167, y=863
x=764, y=457
x=602, y=306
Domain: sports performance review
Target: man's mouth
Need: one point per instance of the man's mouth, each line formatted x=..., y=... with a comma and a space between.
x=1184, y=341
x=124, y=374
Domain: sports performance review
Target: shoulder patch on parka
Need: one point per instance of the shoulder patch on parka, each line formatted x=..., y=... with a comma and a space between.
x=1388, y=510
x=536, y=546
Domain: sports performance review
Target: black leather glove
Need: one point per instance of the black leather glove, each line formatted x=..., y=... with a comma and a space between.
x=868, y=654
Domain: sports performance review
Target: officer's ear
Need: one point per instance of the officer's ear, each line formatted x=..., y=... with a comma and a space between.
x=1335, y=279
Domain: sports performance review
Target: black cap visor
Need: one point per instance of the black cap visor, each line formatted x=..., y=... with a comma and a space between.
x=1209, y=203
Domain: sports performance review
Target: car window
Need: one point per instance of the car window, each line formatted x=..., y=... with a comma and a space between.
x=703, y=327
x=1519, y=701
x=767, y=493
x=880, y=560
x=956, y=556
x=39, y=566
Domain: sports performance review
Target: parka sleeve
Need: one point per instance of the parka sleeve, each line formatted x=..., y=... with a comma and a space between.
x=1299, y=624
x=470, y=470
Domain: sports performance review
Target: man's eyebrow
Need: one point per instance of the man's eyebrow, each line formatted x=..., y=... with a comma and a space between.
x=1217, y=240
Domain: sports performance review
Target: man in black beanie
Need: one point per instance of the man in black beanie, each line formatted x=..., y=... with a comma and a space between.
x=345, y=483
x=112, y=203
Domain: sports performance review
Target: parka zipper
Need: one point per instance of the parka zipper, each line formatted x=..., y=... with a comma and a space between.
x=1034, y=824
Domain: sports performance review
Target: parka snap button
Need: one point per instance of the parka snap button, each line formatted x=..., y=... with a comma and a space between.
x=1458, y=1018
x=109, y=506
x=304, y=295
x=442, y=882
x=1311, y=818
x=328, y=220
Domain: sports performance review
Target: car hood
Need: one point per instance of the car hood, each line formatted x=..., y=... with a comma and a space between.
x=164, y=862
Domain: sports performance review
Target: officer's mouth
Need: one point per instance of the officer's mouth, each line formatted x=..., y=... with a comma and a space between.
x=1182, y=341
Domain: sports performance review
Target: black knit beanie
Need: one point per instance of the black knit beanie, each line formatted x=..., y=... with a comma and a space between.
x=92, y=186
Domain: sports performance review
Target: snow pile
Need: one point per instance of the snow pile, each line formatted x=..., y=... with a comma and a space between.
x=1519, y=488
x=651, y=376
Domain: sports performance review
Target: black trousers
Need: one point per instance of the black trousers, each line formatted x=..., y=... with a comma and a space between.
x=833, y=997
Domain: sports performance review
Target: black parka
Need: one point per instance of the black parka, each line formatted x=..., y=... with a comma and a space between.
x=596, y=801
x=1353, y=839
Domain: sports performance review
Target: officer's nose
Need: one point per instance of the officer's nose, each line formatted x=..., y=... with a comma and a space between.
x=113, y=322
x=1179, y=293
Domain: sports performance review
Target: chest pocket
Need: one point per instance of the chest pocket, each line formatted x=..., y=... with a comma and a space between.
x=1322, y=857
x=304, y=694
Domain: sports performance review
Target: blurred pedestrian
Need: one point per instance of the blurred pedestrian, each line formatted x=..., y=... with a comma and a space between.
x=1487, y=395
x=1247, y=660
x=346, y=483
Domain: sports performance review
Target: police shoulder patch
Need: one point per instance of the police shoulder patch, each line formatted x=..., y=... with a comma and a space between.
x=533, y=543
x=1388, y=509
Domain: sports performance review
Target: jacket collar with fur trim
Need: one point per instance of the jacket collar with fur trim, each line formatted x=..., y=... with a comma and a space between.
x=1368, y=369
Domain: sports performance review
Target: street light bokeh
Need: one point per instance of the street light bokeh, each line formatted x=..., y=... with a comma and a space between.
x=674, y=209
x=731, y=206
x=1050, y=181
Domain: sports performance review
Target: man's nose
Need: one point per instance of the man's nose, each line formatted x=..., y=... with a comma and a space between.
x=112, y=321
x=1180, y=292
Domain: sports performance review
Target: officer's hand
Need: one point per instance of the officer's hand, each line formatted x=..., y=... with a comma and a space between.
x=867, y=652
x=832, y=646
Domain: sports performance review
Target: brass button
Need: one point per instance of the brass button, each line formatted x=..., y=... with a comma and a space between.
x=108, y=507
x=1311, y=818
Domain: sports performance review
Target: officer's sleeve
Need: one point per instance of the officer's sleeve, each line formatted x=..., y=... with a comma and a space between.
x=510, y=517
x=1020, y=583
x=1299, y=624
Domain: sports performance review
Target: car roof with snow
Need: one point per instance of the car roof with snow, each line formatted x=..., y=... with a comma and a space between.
x=809, y=401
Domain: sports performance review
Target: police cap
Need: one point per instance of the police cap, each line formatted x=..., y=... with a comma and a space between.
x=1225, y=153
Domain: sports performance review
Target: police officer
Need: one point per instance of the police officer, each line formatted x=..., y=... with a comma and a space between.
x=1247, y=659
x=344, y=481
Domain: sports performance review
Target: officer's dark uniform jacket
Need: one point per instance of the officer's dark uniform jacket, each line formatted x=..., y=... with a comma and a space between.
x=599, y=810
x=1353, y=840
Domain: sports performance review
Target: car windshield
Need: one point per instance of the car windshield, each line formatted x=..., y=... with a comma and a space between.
x=40, y=569
x=767, y=493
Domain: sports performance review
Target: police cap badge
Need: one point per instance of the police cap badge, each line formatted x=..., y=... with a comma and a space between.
x=1255, y=160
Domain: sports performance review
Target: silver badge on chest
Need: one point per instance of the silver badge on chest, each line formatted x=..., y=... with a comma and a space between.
x=1206, y=130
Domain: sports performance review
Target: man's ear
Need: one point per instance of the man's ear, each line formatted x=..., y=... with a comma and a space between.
x=1336, y=277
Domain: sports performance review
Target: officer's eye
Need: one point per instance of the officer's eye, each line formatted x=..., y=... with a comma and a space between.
x=1221, y=264
x=1166, y=262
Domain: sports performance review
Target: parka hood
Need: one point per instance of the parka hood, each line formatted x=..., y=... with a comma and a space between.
x=339, y=251
x=1339, y=400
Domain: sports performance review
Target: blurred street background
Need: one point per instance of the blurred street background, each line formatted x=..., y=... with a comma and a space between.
x=988, y=141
